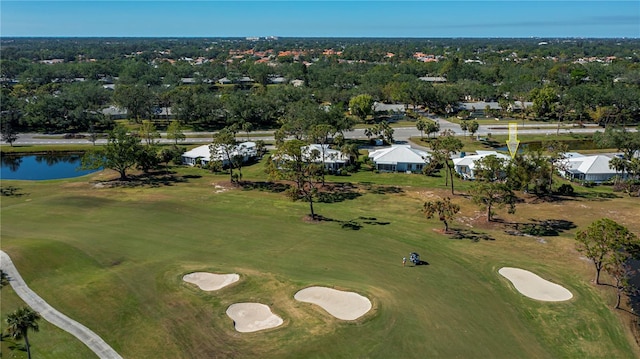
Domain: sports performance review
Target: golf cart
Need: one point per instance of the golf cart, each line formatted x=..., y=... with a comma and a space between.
x=414, y=258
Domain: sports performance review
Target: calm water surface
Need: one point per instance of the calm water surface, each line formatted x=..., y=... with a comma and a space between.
x=44, y=167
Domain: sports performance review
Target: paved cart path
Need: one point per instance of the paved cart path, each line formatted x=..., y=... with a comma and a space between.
x=50, y=314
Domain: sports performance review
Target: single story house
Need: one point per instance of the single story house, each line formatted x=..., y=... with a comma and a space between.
x=333, y=159
x=202, y=154
x=114, y=112
x=278, y=80
x=588, y=168
x=435, y=79
x=479, y=106
x=399, y=158
x=465, y=166
x=388, y=107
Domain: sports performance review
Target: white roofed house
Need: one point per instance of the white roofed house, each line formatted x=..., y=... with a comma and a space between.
x=202, y=155
x=466, y=165
x=595, y=169
x=333, y=159
x=399, y=158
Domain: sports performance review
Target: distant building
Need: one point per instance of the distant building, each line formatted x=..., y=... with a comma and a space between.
x=433, y=79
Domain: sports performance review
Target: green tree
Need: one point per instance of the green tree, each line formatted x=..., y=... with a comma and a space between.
x=445, y=210
x=544, y=101
x=421, y=126
x=489, y=195
x=247, y=127
x=9, y=134
x=351, y=150
x=490, y=189
x=557, y=157
x=603, y=240
x=361, y=106
x=20, y=322
x=289, y=163
x=147, y=158
x=371, y=131
x=4, y=279
x=119, y=154
x=320, y=134
x=93, y=134
x=260, y=73
x=386, y=132
x=621, y=271
x=224, y=147
x=148, y=132
x=432, y=127
x=473, y=127
x=490, y=169
x=538, y=170
x=136, y=99
x=174, y=132
x=464, y=126
x=625, y=141
x=443, y=147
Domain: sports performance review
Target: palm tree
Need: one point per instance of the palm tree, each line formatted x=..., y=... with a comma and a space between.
x=351, y=150
x=619, y=165
x=421, y=125
x=4, y=279
x=20, y=322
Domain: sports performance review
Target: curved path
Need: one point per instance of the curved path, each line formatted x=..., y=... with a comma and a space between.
x=89, y=338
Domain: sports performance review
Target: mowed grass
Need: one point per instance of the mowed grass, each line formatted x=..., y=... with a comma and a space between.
x=113, y=259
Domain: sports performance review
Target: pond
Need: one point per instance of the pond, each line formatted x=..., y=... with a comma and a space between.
x=41, y=167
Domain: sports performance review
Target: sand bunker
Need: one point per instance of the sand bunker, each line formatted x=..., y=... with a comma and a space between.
x=252, y=317
x=342, y=305
x=210, y=281
x=532, y=286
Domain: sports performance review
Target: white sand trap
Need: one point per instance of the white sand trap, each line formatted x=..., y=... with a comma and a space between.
x=210, y=281
x=252, y=317
x=532, y=286
x=342, y=305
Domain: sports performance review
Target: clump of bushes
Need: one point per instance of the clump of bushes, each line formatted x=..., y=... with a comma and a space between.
x=565, y=190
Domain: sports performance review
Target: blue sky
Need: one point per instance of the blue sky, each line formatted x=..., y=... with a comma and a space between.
x=361, y=18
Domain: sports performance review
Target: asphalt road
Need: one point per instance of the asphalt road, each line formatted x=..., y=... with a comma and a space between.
x=401, y=134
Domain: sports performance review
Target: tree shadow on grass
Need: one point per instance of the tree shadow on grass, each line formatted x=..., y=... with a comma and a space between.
x=150, y=179
x=11, y=191
x=597, y=196
x=459, y=233
x=383, y=189
x=358, y=223
x=274, y=187
x=337, y=192
x=541, y=228
x=12, y=344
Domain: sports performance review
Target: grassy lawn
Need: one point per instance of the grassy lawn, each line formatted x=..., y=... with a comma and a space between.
x=113, y=259
x=577, y=142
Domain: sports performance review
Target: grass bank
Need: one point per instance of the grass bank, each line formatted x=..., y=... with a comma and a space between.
x=113, y=259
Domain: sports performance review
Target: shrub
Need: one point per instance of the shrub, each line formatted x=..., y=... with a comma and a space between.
x=566, y=190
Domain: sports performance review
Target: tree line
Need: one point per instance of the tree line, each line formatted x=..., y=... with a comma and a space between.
x=70, y=96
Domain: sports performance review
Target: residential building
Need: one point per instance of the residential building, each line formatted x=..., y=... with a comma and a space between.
x=399, y=158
